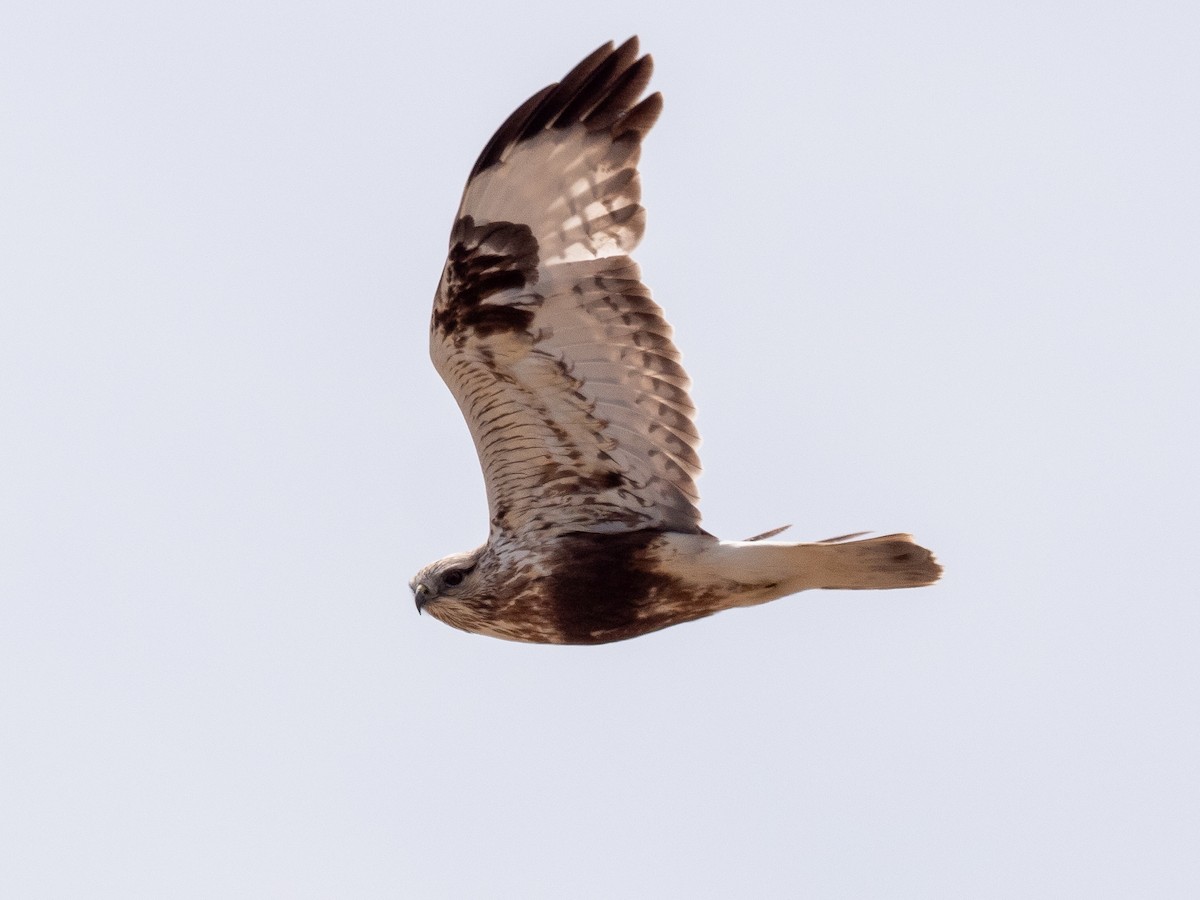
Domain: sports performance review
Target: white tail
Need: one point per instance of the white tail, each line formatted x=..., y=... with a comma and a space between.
x=890, y=561
x=758, y=571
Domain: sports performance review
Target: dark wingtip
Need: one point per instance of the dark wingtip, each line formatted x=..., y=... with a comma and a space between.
x=600, y=92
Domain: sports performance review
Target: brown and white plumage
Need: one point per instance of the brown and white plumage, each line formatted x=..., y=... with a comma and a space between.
x=565, y=371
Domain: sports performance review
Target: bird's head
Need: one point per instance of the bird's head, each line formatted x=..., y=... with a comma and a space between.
x=472, y=592
x=450, y=582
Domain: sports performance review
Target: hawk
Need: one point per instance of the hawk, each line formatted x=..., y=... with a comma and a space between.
x=565, y=371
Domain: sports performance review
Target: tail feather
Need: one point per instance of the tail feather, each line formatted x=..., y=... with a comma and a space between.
x=764, y=570
x=746, y=573
x=890, y=561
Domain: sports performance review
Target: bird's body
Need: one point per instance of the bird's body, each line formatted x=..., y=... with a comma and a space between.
x=592, y=588
x=565, y=371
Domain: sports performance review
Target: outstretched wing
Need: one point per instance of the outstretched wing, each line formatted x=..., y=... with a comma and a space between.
x=561, y=363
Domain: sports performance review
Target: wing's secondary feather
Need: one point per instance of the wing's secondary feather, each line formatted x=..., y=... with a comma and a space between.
x=559, y=359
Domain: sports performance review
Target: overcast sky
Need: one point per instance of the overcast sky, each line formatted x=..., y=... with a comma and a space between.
x=932, y=267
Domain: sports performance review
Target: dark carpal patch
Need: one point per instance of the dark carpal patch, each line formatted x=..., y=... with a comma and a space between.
x=486, y=260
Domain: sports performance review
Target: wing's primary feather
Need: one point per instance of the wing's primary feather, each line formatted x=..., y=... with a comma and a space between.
x=559, y=359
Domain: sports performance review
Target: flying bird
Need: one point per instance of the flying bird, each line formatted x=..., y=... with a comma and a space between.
x=573, y=391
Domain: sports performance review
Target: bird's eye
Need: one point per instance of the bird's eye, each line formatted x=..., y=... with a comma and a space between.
x=453, y=578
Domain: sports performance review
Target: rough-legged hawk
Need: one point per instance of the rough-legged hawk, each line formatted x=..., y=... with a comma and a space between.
x=566, y=373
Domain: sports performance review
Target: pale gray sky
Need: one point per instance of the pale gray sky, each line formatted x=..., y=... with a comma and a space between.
x=933, y=267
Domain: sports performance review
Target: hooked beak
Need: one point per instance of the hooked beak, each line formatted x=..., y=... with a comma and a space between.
x=421, y=595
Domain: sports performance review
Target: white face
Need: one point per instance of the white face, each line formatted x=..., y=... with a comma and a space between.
x=449, y=578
